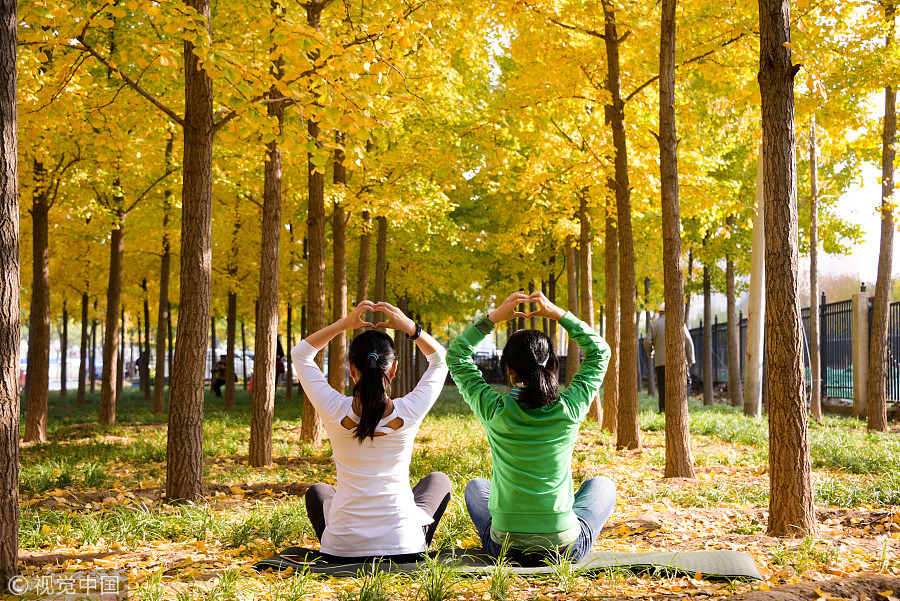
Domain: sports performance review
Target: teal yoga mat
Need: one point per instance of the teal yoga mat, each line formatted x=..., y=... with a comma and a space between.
x=709, y=564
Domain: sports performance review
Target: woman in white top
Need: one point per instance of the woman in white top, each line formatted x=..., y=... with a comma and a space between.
x=373, y=512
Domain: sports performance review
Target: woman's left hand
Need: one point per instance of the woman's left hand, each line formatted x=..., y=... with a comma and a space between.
x=395, y=319
x=356, y=318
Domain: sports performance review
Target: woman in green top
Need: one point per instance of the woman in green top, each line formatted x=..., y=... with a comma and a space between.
x=529, y=503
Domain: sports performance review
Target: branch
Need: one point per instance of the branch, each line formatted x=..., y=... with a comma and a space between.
x=134, y=85
x=589, y=32
x=687, y=62
x=149, y=188
x=59, y=173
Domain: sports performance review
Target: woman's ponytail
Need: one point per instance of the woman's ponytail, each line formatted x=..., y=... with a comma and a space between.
x=372, y=354
x=530, y=354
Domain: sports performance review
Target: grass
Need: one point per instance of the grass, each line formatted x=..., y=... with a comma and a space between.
x=119, y=470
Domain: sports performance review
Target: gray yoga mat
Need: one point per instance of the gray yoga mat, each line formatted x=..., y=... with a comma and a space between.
x=709, y=564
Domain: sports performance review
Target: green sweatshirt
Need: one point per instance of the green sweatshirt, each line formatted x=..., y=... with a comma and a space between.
x=531, y=484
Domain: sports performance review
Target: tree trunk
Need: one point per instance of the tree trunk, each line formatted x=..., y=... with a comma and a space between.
x=170, y=350
x=573, y=353
x=120, y=366
x=381, y=260
x=107, y=414
x=707, y=340
x=815, y=401
x=735, y=389
x=586, y=283
x=264, y=372
x=93, y=361
x=63, y=351
x=289, y=367
x=38, y=387
x=159, y=388
x=791, y=510
x=362, y=268
x=532, y=306
x=651, y=371
x=337, y=357
x=311, y=426
x=231, y=327
x=244, y=354
x=687, y=295
x=83, y=352
x=144, y=347
x=184, y=448
x=9, y=299
x=553, y=330
x=877, y=406
x=611, y=329
x=628, y=432
x=679, y=460
x=213, y=344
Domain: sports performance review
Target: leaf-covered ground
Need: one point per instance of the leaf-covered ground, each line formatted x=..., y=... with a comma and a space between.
x=92, y=501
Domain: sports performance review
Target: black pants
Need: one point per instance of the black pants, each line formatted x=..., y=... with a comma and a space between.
x=431, y=493
x=661, y=386
x=217, y=386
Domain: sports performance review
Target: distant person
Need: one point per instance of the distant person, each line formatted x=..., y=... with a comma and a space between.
x=655, y=345
x=371, y=511
x=219, y=376
x=530, y=504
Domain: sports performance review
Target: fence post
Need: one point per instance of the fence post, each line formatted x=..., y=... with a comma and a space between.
x=860, y=342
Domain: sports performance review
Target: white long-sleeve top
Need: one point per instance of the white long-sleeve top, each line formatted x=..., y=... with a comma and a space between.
x=373, y=511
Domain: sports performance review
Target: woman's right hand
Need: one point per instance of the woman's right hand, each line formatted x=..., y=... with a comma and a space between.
x=545, y=308
x=507, y=309
x=395, y=319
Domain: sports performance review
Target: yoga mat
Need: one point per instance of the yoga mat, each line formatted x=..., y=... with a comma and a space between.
x=709, y=564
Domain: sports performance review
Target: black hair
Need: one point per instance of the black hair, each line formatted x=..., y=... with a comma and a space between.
x=372, y=354
x=530, y=354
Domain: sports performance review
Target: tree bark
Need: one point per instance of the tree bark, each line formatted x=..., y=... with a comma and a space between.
x=687, y=295
x=264, y=371
x=159, y=388
x=311, y=426
x=552, y=326
x=63, y=351
x=145, y=351
x=815, y=401
x=231, y=329
x=381, y=260
x=184, y=448
x=877, y=406
x=337, y=357
x=586, y=284
x=707, y=340
x=93, y=360
x=791, y=511
x=9, y=299
x=735, y=389
x=120, y=366
x=573, y=353
x=288, y=368
x=628, y=432
x=38, y=387
x=362, y=268
x=83, y=352
x=679, y=460
x=107, y=413
x=611, y=329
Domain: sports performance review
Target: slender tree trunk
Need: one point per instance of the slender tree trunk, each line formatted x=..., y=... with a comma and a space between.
x=735, y=389
x=83, y=352
x=611, y=329
x=145, y=351
x=244, y=354
x=213, y=344
x=159, y=389
x=687, y=294
x=791, y=510
x=381, y=260
x=586, y=292
x=815, y=401
x=877, y=406
x=628, y=433
x=311, y=427
x=39, y=321
x=93, y=361
x=679, y=460
x=63, y=351
x=289, y=367
x=9, y=299
x=532, y=306
x=651, y=371
x=120, y=370
x=184, y=448
x=707, y=340
x=573, y=353
x=553, y=331
x=362, y=268
x=171, y=346
x=107, y=414
x=264, y=373
x=337, y=361
x=231, y=328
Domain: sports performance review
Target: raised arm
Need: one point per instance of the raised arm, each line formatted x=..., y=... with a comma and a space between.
x=396, y=319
